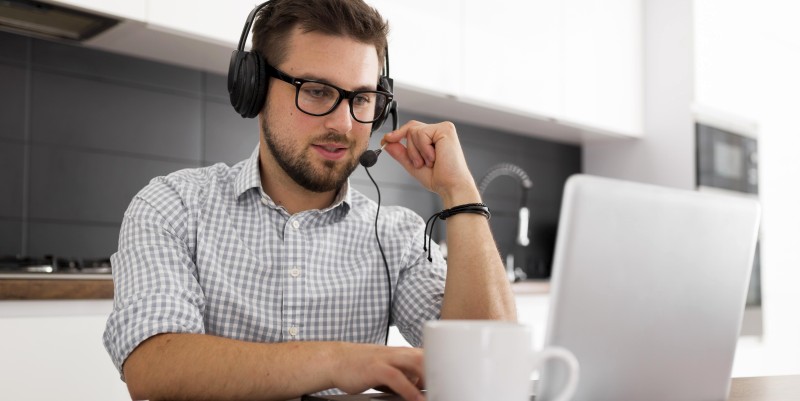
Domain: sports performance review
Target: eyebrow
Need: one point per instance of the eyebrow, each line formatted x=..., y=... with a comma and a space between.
x=323, y=80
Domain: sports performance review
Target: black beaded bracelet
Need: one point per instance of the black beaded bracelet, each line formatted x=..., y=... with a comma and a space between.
x=476, y=208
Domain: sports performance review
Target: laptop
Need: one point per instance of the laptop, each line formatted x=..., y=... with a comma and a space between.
x=648, y=290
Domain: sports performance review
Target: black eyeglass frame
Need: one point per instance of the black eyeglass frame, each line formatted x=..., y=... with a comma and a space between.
x=343, y=94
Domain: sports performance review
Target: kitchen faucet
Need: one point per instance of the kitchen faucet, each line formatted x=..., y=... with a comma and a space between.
x=522, y=239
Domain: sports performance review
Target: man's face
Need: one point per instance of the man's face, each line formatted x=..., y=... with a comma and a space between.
x=319, y=152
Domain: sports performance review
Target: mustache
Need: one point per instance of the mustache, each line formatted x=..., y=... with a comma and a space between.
x=332, y=137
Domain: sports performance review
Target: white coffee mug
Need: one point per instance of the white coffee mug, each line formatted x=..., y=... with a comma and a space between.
x=480, y=360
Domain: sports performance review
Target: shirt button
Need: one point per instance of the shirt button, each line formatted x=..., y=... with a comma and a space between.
x=296, y=224
x=295, y=272
x=293, y=331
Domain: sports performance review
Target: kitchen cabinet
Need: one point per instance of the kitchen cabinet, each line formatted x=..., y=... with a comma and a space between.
x=126, y=9
x=425, y=43
x=572, y=60
x=209, y=21
x=513, y=54
x=602, y=68
x=567, y=70
x=53, y=350
x=204, y=20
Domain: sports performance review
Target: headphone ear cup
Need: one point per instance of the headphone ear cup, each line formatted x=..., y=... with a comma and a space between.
x=260, y=84
x=247, y=83
x=384, y=84
x=235, y=70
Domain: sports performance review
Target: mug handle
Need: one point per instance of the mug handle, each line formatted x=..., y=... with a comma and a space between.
x=572, y=364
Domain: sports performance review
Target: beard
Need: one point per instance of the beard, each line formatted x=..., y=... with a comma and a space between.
x=331, y=176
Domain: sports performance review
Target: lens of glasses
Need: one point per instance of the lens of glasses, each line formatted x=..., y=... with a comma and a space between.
x=318, y=99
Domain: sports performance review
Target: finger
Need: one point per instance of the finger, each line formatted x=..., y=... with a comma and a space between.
x=400, y=133
x=399, y=153
x=412, y=363
x=394, y=136
x=400, y=384
x=421, y=383
x=397, y=150
x=423, y=142
x=413, y=152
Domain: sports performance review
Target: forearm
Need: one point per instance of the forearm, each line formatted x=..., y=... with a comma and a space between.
x=476, y=286
x=203, y=367
x=199, y=367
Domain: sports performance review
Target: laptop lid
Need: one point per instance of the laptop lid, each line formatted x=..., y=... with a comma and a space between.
x=648, y=289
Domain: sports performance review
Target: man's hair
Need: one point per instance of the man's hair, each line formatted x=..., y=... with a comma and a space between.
x=349, y=18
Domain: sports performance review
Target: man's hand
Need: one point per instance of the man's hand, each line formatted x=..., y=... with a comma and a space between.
x=362, y=367
x=432, y=154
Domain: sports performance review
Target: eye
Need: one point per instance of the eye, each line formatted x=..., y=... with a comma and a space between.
x=363, y=99
x=318, y=91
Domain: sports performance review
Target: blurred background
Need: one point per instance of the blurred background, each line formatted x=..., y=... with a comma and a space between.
x=98, y=97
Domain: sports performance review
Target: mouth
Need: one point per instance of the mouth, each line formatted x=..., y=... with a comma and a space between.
x=331, y=151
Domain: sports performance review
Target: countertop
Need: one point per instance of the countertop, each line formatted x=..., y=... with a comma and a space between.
x=53, y=286
x=22, y=286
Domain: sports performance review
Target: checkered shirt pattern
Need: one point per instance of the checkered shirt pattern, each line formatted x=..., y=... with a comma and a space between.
x=206, y=251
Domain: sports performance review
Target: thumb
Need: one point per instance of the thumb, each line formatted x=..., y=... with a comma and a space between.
x=398, y=152
x=393, y=137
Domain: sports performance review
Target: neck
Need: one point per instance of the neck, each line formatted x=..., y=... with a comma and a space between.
x=284, y=191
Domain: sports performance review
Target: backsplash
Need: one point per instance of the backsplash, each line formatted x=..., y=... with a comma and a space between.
x=81, y=131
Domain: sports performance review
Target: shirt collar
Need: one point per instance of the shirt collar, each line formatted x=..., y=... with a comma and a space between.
x=249, y=177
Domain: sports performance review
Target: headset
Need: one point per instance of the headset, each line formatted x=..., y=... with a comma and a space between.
x=248, y=81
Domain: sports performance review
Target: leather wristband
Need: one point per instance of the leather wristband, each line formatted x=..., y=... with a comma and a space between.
x=475, y=208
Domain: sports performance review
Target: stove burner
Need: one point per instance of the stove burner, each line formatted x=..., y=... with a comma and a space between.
x=52, y=264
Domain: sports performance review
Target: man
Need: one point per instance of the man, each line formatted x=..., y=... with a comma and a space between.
x=263, y=280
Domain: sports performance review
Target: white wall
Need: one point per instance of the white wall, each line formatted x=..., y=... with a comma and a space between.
x=747, y=63
x=665, y=154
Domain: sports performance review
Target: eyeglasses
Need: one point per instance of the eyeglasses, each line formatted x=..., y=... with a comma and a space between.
x=319, y=98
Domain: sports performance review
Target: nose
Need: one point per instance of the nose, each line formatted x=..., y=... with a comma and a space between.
x=340, y=120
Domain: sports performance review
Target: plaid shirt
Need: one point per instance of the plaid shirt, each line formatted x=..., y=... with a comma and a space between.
x=207, y=251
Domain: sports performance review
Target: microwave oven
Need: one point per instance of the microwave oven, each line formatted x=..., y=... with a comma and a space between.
x=726, y=159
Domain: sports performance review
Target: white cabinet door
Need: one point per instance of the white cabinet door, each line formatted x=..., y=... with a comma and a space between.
x=425, y=43
x=216, y=22
x=513, y=54
x=127, y=9
x=602, y=77
x=574, y=60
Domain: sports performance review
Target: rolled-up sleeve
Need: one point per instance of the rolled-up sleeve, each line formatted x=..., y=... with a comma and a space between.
x=156, y=288
x=420, y=284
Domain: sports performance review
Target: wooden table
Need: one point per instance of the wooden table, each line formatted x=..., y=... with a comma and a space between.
x=771, y=388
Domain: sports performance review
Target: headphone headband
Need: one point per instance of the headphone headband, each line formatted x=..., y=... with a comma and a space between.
x=248, y=24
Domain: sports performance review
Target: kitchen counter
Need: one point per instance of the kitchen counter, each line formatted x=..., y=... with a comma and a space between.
x=21, y=286
x=29, y=286
x=531, y=287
